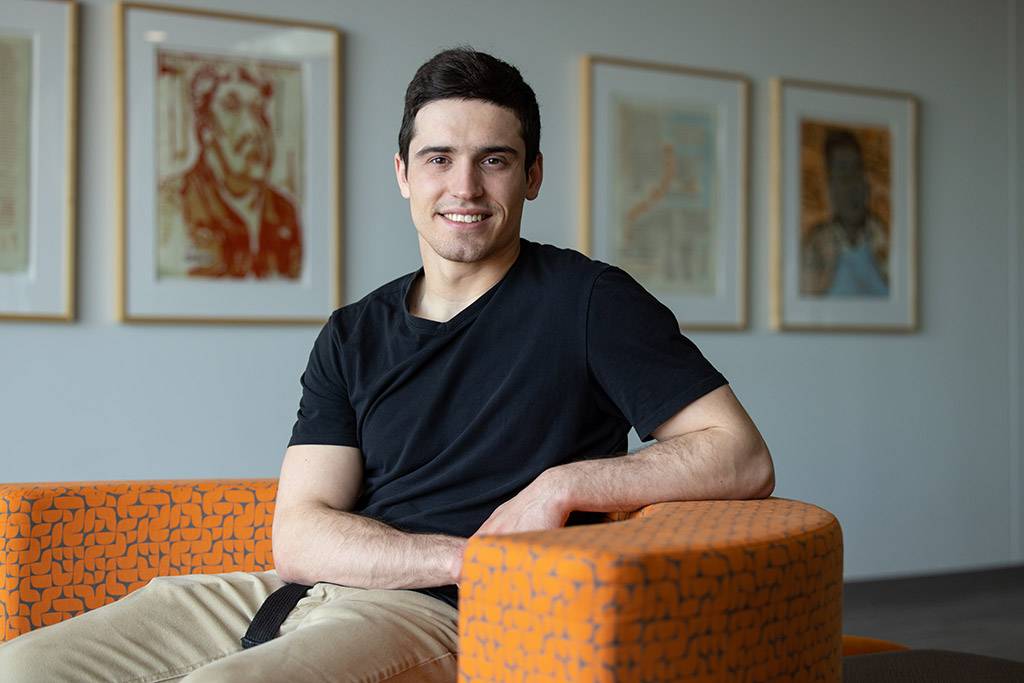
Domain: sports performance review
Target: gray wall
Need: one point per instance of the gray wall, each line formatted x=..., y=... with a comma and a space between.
x=1016, y=280
x=914, y=441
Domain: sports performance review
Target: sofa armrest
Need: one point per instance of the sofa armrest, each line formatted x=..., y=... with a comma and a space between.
x=701, y=591
x=67, y=548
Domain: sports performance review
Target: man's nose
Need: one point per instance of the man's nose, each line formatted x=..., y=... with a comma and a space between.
x=248, y=122
x=466, y=181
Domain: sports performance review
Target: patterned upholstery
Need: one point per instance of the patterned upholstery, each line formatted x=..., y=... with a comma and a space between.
x=707, y=590
x=68, y=548
x=696, y=591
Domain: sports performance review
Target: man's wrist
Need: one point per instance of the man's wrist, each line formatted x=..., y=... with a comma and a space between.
x=559, y=487
x=455, y=551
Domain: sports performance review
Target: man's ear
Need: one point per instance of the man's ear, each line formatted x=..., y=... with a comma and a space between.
x=401, y=176
x=534, y=177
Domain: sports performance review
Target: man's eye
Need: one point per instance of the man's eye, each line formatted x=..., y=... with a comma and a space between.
x=494, y=161
x=437, y=160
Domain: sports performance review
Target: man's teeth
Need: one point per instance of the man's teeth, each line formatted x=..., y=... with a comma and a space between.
x=464, y=218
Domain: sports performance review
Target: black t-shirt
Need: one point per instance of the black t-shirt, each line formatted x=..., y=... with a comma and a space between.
x=553, y=364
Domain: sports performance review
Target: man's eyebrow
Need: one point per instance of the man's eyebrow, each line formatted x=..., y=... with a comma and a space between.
x=498, y=149
x=434, y=150
x=490, y=149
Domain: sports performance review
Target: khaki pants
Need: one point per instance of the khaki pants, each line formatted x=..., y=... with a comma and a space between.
x=187, y=628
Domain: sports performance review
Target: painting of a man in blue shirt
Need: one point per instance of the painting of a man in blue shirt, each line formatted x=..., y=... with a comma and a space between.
x=848, y=254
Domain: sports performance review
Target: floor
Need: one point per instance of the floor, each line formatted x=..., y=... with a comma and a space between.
x=980, y=612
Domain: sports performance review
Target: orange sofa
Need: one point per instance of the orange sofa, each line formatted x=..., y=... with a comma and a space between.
x=709, y=591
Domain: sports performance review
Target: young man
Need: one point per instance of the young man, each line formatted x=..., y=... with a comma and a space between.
x=486, y=393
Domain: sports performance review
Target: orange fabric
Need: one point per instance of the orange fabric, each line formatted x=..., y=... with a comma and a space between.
x=708, y=591
x=68, y=548
x=860, y=645
x=701, y=591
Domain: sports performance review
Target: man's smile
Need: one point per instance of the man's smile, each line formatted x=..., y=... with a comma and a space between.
x=464, y=216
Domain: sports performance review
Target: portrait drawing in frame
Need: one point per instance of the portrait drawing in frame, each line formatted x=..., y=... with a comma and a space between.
x=844, y=220
x=230, y=167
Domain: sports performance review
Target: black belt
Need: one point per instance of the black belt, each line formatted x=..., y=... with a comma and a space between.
x=272, y=613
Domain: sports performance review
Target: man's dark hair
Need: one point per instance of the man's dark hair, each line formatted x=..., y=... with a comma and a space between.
x=838, y=138
x=465, y=74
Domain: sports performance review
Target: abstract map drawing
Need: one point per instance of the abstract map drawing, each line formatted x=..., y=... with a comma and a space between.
x=665, y=193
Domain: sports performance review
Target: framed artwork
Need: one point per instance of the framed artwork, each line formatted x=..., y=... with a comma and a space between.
x=845, y=208
x=664, y=183
x=229, y=167
x=38, y=45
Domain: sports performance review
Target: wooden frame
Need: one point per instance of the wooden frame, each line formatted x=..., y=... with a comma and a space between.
x=307, y=290
x=699, y=101
x=41, y=286
x=825, y=277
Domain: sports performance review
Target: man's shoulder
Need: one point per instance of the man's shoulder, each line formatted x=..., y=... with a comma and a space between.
x=383, y=302
x=878, y=234
x=824, y=239
x=826, y=229
x=192, y=190
x=563, y=263
x=279, y=206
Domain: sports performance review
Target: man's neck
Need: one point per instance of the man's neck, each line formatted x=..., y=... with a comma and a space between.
x=855, y=231
x=447, y=287
x=237, y=186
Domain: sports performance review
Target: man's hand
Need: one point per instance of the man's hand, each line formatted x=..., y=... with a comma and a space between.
x=318, y=538
x=538, y=507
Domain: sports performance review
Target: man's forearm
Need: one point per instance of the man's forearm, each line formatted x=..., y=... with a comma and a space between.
x=317, y=543
x=711, y=464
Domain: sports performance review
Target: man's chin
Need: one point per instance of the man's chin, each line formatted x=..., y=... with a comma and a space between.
x=245, y=181
x=256, y=174
x=855, y=219
x=462, y=249
x=461, y=253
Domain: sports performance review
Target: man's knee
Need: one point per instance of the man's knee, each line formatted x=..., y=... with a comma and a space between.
x=23, y=659
x=66, y=650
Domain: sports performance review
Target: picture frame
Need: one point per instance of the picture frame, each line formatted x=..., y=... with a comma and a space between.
x=664, y=186
x=844, y=214
x=229, y=172
x=38, y=44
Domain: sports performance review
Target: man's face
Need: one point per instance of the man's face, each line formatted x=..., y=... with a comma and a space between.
x=848, y=187
x=465, y=180
x=239, y=131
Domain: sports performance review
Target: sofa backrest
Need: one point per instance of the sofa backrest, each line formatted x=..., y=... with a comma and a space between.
x=70, y=547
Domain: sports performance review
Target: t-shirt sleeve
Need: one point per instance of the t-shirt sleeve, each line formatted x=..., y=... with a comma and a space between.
x=639, y=358
x=325, y=414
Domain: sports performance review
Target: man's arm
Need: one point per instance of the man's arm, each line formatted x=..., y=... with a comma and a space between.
x=709, y=450
x=316, y=538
